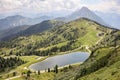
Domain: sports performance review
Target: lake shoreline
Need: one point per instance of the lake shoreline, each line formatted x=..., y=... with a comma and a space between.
x=62, y=53
x=72, y=63
x=43, y=71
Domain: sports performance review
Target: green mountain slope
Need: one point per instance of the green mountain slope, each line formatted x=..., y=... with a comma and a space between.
x=34, y=29
x=103, y=63
x=76, y=34
x=38, y=28
x=109, y=55
x=10, y=33
x=80, y=35
x=109, y=72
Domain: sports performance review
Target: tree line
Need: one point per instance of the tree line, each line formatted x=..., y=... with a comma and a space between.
x=50, y=51
x=9, y=63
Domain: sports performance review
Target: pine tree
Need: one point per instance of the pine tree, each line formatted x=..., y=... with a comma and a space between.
x=14, y=73
x=28, y=73
x=38, y=72
x=48, y=69
x=56, y=69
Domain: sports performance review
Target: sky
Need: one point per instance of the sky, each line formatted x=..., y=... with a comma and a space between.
x=8, y=7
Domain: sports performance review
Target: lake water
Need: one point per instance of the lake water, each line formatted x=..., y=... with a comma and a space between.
x=60, y=60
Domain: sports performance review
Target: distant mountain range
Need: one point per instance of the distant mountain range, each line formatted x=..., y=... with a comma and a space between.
x=112, y=19
x=79, y=32
x=17, y=20
x=102, y=18
x=11, y=32
x=83, y=12
x=10, y=24
x=29, y=30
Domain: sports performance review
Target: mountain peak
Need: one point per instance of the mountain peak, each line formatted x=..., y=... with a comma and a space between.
x=84, y=8
x=86, y=13
x=15, y=16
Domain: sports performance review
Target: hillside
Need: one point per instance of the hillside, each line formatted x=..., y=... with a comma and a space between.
x=30, y=30
x=78, y=33
x=41, y=27
x=103, y=63
x=110, y=70
x=36, y=25
x=12, y=31
x=18, y=20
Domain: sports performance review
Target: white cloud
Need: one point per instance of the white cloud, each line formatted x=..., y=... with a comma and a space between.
x=38, y=5
x=7, y=5
x=56, y=5
x=111, y=6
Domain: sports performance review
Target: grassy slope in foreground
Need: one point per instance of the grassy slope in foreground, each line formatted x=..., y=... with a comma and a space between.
x=103, y=63
x=109, y=72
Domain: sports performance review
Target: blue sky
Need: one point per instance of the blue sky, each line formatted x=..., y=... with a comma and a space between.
x=42, y=6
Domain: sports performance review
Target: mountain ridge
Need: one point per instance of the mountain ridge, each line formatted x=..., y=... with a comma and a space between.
x=83, y=12
x=18, y=20
x=78, y=35
x=34, y=29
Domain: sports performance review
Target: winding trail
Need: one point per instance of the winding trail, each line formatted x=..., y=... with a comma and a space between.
x=99, y=40
x=13, y=77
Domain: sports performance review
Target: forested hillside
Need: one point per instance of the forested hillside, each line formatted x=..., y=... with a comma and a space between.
x=8, y=63
x=103, y=63
x=30, y=30
x=76, y=34
x=79, y=35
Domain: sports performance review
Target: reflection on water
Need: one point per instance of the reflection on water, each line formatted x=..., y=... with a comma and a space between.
x=60, y=60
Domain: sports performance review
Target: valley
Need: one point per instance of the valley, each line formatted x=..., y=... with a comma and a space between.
x=57, y=44
x=79, y=46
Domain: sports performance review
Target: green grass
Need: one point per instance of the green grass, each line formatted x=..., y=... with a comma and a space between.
x=107, y=73
x=102, y=52
x=42, y=76
x=23, y=68
x=83, y=31
x=50, y=75
x=87, y=35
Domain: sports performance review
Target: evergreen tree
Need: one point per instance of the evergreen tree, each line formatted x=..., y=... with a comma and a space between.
x=38, y=72
x=56, y=69
x=14, y=73
x=9, y=63
x=28, y=73
x=48, y=69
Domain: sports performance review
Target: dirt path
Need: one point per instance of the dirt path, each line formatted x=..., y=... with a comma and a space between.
x=99, y=40
x=40, y=58
x=13, y=77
